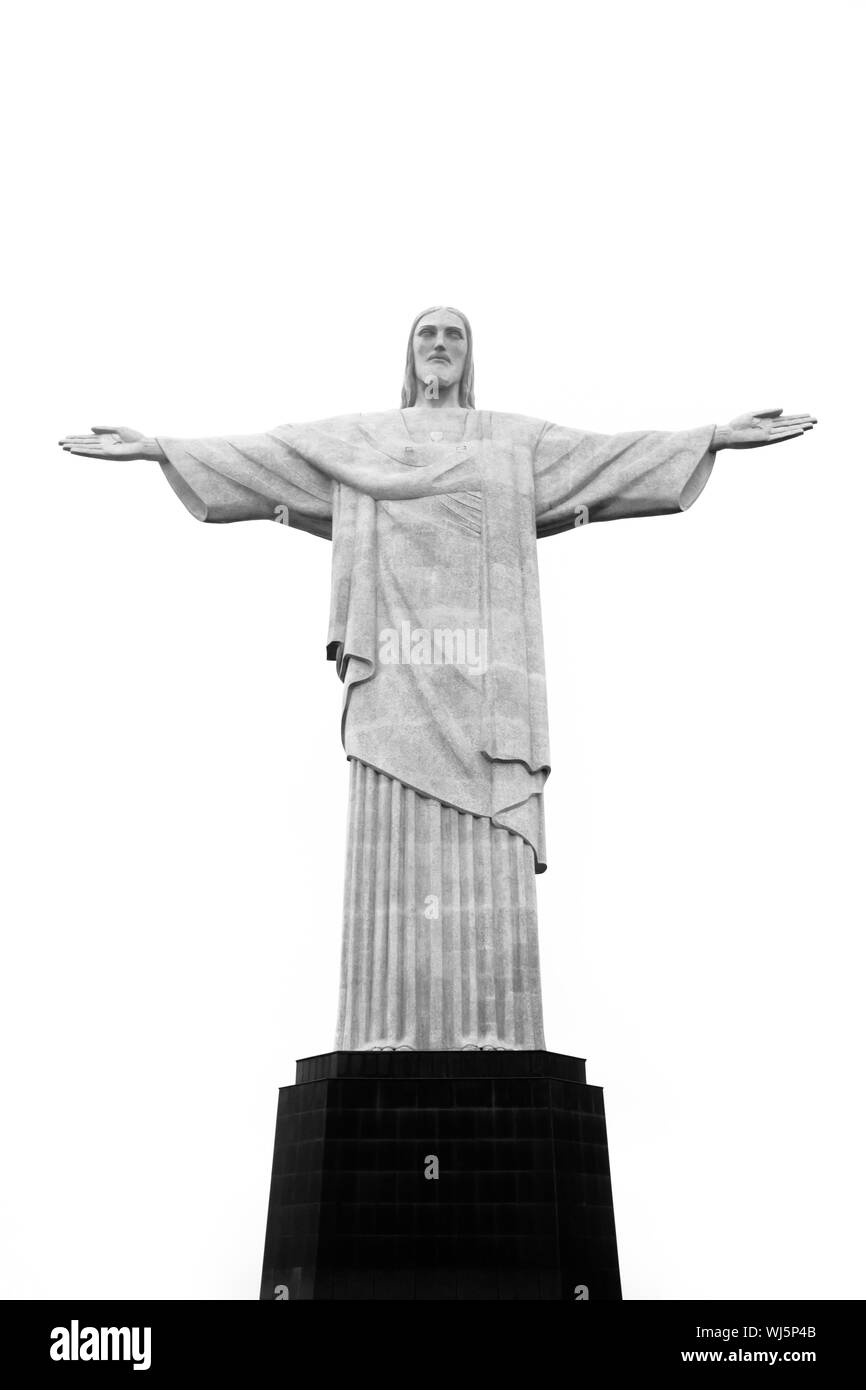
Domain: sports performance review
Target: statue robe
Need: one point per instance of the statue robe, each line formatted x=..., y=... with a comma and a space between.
x=435, y=629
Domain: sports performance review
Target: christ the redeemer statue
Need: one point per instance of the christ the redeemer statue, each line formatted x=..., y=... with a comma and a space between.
x=433, y=511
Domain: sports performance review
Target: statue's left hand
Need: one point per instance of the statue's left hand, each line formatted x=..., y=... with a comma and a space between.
x=764, y=427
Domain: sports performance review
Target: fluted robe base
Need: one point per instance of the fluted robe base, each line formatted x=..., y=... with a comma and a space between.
x=440, y=926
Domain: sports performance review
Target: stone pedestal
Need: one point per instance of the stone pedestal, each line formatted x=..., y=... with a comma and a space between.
x=441, y=1175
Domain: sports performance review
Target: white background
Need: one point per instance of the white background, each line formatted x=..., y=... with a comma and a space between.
x=223, y=217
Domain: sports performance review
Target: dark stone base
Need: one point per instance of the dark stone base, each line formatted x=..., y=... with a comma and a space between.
x=521, y=1208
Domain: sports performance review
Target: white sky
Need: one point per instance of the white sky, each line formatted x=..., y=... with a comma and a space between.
x=225, y=217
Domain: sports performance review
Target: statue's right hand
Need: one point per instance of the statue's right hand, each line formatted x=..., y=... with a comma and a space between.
x=111, y=442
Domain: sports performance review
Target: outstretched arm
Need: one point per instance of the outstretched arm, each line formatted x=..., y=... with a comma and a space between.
x=291, y=468
x=580, y=476
x=239, y=478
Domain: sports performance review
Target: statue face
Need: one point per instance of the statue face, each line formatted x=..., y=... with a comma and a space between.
x=440, y=347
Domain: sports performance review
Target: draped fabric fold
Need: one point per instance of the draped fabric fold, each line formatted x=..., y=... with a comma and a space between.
x=439, y=537
x=440, y=931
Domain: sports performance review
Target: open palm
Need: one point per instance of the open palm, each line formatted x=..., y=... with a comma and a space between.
x=750, y=431
x=106, y=442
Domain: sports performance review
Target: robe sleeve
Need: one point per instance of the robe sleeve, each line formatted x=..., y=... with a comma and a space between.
x=582, y=477
x=248, y=477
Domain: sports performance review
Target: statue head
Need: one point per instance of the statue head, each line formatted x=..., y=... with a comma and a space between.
x=440, y=345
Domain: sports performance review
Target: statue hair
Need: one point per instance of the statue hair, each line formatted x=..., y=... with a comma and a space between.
x=467, y=381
